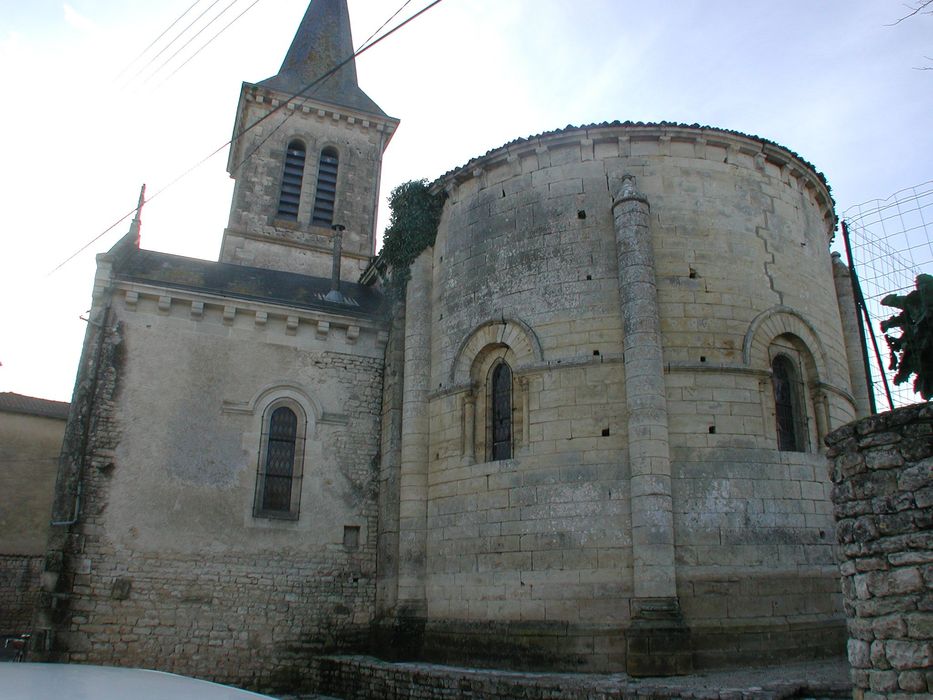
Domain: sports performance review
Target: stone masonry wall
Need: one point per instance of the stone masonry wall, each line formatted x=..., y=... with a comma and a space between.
x=535, y=558
x=19, y=590
x=882, y=469
x=166, y=566
x=255, y=236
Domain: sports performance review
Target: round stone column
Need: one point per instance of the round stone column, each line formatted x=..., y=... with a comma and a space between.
x=658, y=642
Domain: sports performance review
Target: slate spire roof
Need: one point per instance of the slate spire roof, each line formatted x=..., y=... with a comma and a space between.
x=322, y=42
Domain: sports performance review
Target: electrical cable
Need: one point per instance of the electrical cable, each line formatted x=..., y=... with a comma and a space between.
x=230, y=142
x=177, y=37
x=156, y=40
x=318, y=81
x=210, y=41
x=188, y=43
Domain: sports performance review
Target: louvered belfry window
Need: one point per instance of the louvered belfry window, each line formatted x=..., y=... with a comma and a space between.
x=277, y=477
x=291, y=181
x=502, y=412
x=785, y=404
x=326, y=193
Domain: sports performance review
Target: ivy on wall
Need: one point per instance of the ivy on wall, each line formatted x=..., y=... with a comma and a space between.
x=415, y=214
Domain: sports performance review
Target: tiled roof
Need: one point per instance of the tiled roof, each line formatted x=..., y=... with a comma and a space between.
x=249, y=283
x=32, y=406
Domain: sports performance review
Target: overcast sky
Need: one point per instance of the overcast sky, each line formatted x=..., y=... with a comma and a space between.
x=84, y=125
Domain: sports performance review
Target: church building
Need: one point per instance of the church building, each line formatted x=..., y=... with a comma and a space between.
x=588, y=437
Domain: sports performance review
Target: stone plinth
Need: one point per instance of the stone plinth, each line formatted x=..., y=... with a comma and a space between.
x=882, y=471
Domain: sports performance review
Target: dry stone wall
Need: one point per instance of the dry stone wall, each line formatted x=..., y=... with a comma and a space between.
x=883, y=503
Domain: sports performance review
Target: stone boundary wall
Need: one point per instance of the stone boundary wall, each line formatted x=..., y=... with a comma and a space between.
x=19, y=589
x=882, y=469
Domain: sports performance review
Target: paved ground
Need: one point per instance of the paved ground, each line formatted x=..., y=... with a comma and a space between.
x=822, y=679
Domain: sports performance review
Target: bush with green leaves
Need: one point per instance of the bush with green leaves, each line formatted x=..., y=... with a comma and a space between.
x=412, y=227
x=912, y=351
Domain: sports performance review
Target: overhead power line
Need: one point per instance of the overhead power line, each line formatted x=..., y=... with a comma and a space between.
x=188, y=43
x=367, y=45
x=211, y=40
x=176, y=38
x=300, y=94
x=156, y=40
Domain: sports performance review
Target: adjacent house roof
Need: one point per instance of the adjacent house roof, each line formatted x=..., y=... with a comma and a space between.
x=322, y=42
x=32, y=406
x=242, y=282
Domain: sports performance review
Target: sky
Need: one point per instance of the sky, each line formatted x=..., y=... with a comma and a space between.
x=89, y=113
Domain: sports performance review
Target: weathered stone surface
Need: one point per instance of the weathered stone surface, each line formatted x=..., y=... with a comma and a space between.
x=859, y=653
x=912, y=681
x=882, y=681
x=904, y=655
x=887, y=570
x=878, y=658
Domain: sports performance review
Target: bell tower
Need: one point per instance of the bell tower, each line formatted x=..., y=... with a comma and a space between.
x=307, y=157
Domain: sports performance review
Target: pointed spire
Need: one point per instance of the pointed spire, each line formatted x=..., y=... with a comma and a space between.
x=322, y=42
x=137, y=220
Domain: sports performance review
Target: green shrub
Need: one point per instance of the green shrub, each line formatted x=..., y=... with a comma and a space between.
x=912, y=350
x=412, y=228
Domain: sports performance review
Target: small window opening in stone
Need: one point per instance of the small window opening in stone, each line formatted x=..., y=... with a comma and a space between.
x=291, y=181
x=280, y=460
x=501, y=412
x=786, y=404
x=605, y=432
x=581, y=214
x=712, y=430
x=277, y=476
x=351, y=536
x=326, y=194
x=589, y=277
x=503, y=194
x=702, y=358
x=596, y=353
x=693, y=274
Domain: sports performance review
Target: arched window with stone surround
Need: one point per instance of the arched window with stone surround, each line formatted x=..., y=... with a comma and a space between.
x=788, y=412
x=495, y=356
x=281, y=456
x=292, y=176
x=500, y=411
x=797, y=386
x=325, y=195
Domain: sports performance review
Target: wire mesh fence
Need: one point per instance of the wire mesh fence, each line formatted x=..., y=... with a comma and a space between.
x=891, y=245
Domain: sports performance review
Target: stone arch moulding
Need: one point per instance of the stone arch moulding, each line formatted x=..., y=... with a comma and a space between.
x=516, y=334
x=778, y=321
x=274, y=392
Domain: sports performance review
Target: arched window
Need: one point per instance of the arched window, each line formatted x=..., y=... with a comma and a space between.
x=278, y=481
x=786, y=405
x=501, y=411
x=291, y=181
x=326, y=193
